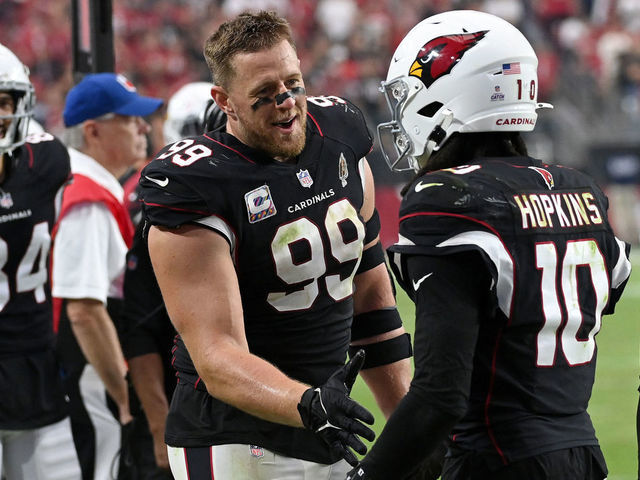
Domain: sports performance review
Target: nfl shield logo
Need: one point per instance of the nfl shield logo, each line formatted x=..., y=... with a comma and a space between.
x=5, y=200
x=304, y=178
x=132, y=262
x=256, y=451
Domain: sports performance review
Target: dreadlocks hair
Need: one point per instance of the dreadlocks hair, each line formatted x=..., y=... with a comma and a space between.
x=462, y=148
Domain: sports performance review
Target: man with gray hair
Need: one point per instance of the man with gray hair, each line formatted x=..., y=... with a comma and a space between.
x=106, y=136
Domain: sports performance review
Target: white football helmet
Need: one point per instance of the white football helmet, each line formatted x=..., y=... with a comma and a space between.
x=14, y=79
x=186, y=111
x=459, y=71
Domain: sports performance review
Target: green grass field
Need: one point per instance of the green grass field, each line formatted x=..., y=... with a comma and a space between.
x=615, y=394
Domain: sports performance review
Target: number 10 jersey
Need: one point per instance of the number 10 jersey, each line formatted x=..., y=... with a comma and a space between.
x=556, y=267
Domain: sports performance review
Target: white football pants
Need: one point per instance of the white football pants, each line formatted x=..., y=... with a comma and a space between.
x=45, y=453
x=249, y=462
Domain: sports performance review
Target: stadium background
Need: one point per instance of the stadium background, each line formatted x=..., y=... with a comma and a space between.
x=589, y=52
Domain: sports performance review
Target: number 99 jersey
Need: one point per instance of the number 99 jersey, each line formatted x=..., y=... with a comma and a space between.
x=296, y=237
x=556, y=268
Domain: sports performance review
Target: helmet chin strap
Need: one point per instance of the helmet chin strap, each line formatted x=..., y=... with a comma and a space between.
x=436, y=137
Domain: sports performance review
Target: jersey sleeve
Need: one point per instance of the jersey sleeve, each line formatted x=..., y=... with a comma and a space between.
x=342, y=121
x=146, y=327
x=48, y=158
x=619, y=275
x=441, y=215
x=181, y=186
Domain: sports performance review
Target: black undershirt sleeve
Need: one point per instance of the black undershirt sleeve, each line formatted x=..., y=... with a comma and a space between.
x=449, y=301
x=146, y=327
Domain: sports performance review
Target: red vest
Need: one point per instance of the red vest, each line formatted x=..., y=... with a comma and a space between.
x=85, y=190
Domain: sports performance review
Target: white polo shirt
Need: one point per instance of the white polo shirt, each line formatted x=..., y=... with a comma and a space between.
x=89, y=251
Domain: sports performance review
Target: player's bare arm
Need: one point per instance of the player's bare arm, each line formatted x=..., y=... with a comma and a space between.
x=195, y=272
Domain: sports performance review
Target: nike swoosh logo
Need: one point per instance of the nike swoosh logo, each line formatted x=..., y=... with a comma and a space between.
x=162, y=183
x=421, y=186
x=416, y=285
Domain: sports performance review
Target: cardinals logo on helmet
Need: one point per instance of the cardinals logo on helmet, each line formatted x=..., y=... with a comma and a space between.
x=438, y=56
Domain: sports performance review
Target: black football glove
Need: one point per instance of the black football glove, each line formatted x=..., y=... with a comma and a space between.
x=357, y=474
x=429, y=469
x=328, y=411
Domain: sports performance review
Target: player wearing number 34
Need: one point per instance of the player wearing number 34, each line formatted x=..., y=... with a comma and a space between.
x=264, y=241
x=35, y=431
x=511, y=263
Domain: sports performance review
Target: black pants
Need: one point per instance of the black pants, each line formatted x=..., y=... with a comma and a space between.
x=578, y=463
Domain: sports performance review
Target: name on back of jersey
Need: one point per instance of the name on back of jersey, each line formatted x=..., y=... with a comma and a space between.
x=558, y=210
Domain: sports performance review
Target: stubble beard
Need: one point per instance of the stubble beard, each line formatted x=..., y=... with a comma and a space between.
x=285, y=148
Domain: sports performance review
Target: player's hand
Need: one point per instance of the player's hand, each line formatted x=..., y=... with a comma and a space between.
x=328, y=411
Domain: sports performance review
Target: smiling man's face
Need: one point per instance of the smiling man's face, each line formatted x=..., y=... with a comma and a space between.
x=262, y=123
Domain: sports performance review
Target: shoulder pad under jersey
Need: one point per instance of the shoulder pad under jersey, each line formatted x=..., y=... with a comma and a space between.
x=47, y=157
x=187, y=180
x=342, y=121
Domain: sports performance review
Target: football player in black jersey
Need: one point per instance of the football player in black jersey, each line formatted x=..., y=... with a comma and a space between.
x=35, y=432
x=511, y=263
x=264, y=241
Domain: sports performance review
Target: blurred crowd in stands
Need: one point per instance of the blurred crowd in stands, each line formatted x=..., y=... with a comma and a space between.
x=589, y=53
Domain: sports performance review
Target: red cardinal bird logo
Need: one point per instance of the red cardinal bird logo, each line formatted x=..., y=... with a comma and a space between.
x=438, y=56
x=546, y=175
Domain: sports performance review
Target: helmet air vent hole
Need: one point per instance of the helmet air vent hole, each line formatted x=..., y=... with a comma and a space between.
x=430, y=110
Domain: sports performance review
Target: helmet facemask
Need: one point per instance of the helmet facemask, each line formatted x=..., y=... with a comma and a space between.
x=395, y=93
x=14, y=79
x=24, y=105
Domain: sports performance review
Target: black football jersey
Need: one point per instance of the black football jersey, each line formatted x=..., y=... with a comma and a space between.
x=28, y=203
x=27, y=214
x=543, y=233
x=296, y=237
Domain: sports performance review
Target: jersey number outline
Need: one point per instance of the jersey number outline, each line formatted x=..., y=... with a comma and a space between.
x=315, y=268
x=579, y=253
x=26, y=278
x=189, y=156
x=326, y=100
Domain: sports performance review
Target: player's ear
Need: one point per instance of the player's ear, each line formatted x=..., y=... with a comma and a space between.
x=221, y=97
